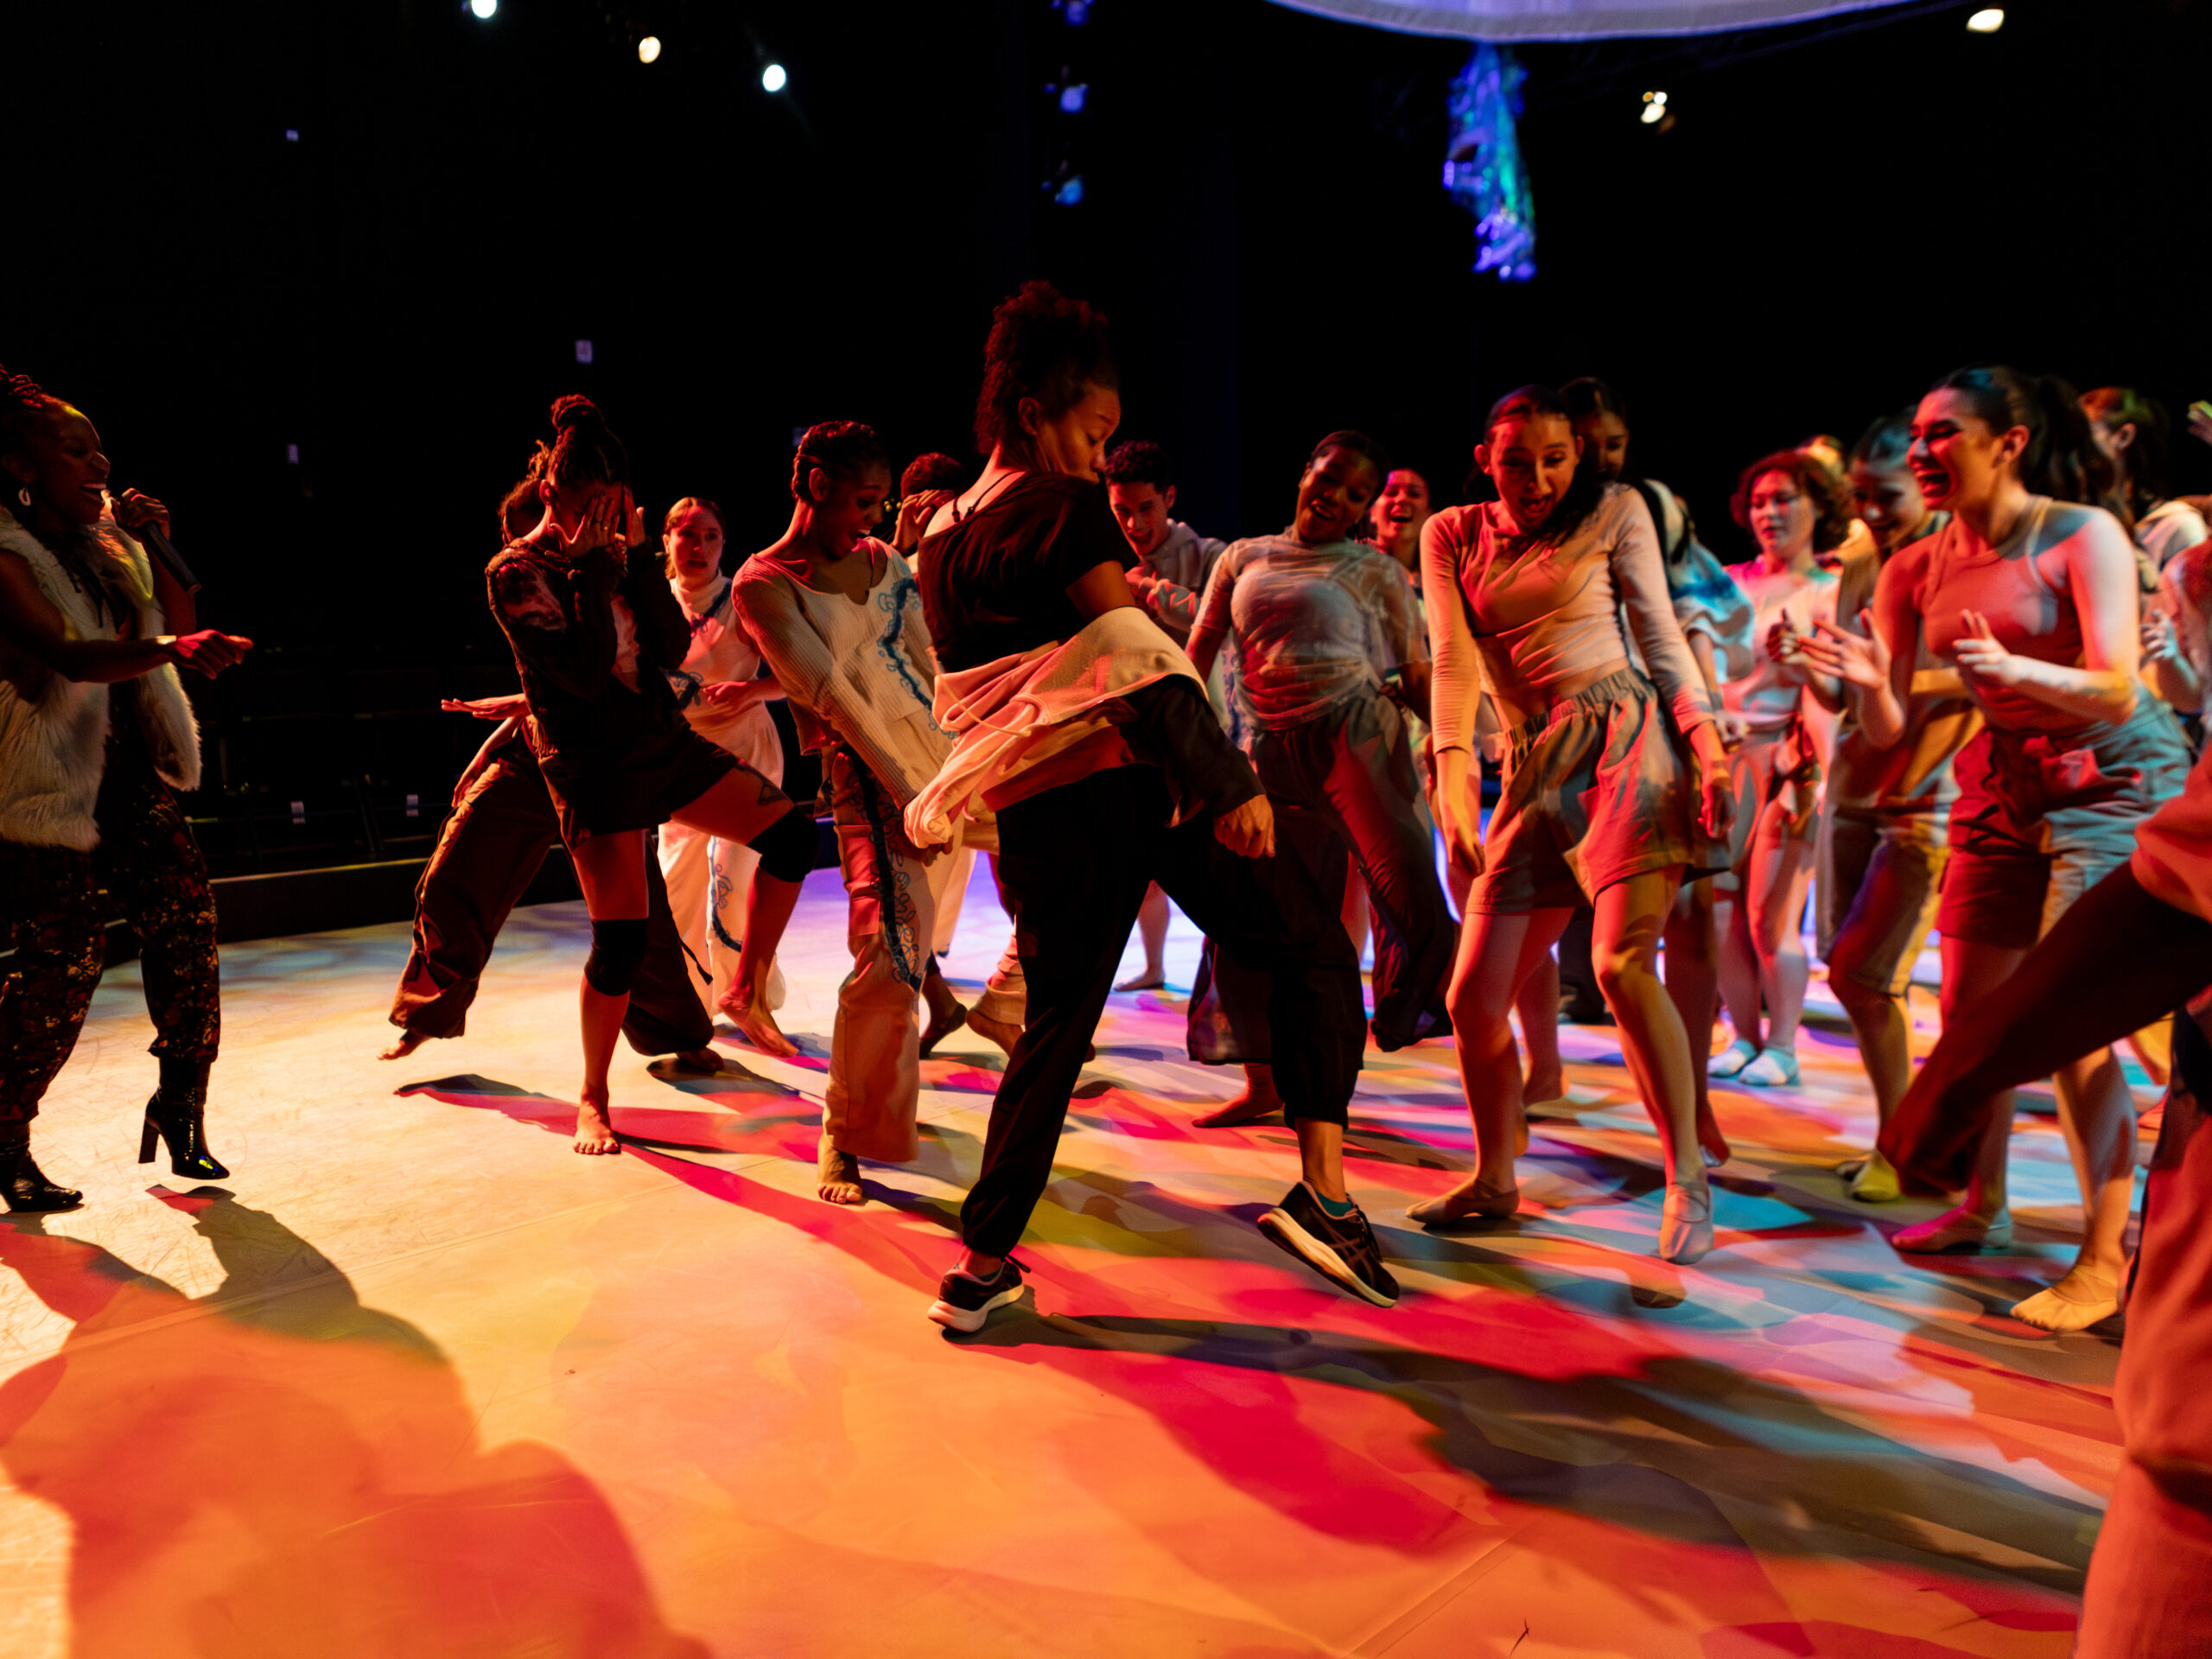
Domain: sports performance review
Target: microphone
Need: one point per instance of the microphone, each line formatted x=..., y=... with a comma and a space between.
x=150, y=534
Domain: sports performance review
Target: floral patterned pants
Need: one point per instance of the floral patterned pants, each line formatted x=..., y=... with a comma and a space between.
x=154, y=877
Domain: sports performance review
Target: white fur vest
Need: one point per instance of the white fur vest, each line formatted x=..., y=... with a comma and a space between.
x=54, y=731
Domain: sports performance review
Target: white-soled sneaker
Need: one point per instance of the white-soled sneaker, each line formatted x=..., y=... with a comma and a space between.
x=963, y=1301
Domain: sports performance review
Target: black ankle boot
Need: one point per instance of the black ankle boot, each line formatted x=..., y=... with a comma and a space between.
x=177, y=1113
x=21, y=1182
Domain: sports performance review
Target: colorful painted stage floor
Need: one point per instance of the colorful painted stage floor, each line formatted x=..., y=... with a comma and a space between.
x=417, y=1381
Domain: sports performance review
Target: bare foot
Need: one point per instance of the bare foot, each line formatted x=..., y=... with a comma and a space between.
x=594, y=1131
x=839, y=1176
x=1469, y=1201
x=1259, y=1100
x=2079, y=1300
x=943, y=1020
x=1150, y=978
x=1542, y=1091
x=756, y=1026
x=408, y=1042
x=998, y=1031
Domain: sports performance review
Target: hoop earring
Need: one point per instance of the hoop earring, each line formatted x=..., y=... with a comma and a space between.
x=23, y=495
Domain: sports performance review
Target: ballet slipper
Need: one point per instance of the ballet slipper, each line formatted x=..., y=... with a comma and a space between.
x=1712, y=1148
x=838, y=1175
x=2082, y=1299
x=1876, y=1181
x=1955, y=1230
x=1732, y=1059
x=1469, y=1201
x=1686, y=1224
x=1772, y=1068
x=1259, y=1100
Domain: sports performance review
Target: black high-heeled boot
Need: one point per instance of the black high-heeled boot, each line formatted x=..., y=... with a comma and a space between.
x=21, y=1183
x=177, y=1113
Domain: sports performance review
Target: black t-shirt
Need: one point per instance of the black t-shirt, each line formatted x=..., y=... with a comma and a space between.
x=995, y=583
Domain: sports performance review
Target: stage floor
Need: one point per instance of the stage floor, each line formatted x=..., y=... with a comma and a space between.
x=416, y=1380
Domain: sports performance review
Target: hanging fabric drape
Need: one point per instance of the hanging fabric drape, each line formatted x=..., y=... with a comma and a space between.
x=1575, y=20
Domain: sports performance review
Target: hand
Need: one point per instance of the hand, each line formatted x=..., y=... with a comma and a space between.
x=209, y=652
x=728, y=694
x=2160, y=641
x=1860, y=659
x=608, y=521
x=1248, y=830
x=135, y=508
x=512, y=706
x=1461, y=823
x=914, y=515
x=1783, y=639
x=1716, y=802
x=1981, y=657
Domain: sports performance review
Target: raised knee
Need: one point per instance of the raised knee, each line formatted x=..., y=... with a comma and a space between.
x=618, y=950
x=787, y=846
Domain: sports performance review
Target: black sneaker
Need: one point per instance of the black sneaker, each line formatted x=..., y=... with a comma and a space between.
x=1342, y=1250
x=963, y=1302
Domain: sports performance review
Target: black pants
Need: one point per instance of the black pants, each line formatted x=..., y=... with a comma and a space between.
x=1075, y=862
x=1345, y=782
x=487, y=854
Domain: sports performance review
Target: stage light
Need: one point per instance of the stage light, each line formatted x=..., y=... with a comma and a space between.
x=772, y=79
x=1655, y=108
x=482, y=9
x=583, y=351
x=1071, y=99
x=649, y=48
x=1987, y=21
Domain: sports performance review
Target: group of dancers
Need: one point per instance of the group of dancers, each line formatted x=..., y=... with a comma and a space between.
x=1955, y=689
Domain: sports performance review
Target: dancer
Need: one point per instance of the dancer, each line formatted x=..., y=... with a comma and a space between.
x=725, y=699
x=595, y=629
x=1084, y=728
x=488, y=851
x=1173, y=562
x=927, y=484
x=2034, y=595
x=2138, y=943
x=1401, y=510
x=1318, y=623
x=2134, y=433
x=1886, y=812
x=1524, y=597
x=836, y=615
x=95, y=738
x=1797, y=508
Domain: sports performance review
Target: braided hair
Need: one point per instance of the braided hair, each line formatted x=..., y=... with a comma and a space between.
x=584, y=449
x=24, y=407
x=841, y=448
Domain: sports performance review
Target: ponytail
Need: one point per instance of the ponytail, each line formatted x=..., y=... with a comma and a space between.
x=2062, y=459
x=1583, y=493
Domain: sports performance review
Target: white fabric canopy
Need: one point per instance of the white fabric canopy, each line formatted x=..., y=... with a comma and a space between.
x=1574, y=20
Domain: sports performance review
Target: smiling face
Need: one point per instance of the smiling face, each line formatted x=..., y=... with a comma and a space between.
x=847, y=508
x=1889, y=500
x=1400, y=512
x=1605, y=440
x=65, y=468
x=1783, y=516
x=1957, y=458
x=694, y=545
x=1142, y=511
x=1531, y=459
x=1073, y=441
x=1334, y=494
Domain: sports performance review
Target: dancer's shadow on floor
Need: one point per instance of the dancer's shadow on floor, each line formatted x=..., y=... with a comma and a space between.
x=756, y=1132
x=1675, y=1447
x=274, y=1469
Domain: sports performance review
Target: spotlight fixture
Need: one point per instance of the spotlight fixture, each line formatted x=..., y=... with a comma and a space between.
x=774, y=80
x=1655, y=108
x=649, y=50
x=482, y=9
x=1987, y=21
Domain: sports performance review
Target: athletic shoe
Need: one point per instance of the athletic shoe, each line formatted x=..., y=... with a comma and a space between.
x=1732, y=1059
x=1775, y=1068
x=963, y=1301
x=1340, y=1248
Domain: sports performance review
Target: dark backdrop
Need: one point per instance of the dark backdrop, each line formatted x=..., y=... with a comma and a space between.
x=1837, y=214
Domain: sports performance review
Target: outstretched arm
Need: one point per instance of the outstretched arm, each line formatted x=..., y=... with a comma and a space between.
x=30, y=623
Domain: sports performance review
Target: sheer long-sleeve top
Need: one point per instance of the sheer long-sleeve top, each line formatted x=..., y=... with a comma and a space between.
x=1520, y=618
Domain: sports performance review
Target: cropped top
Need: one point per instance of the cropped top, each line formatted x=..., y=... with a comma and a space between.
x=1517, y=617
x=2030, y=616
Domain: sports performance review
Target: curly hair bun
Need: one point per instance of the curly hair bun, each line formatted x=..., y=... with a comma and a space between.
x=23, y=389
x=577, y=413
